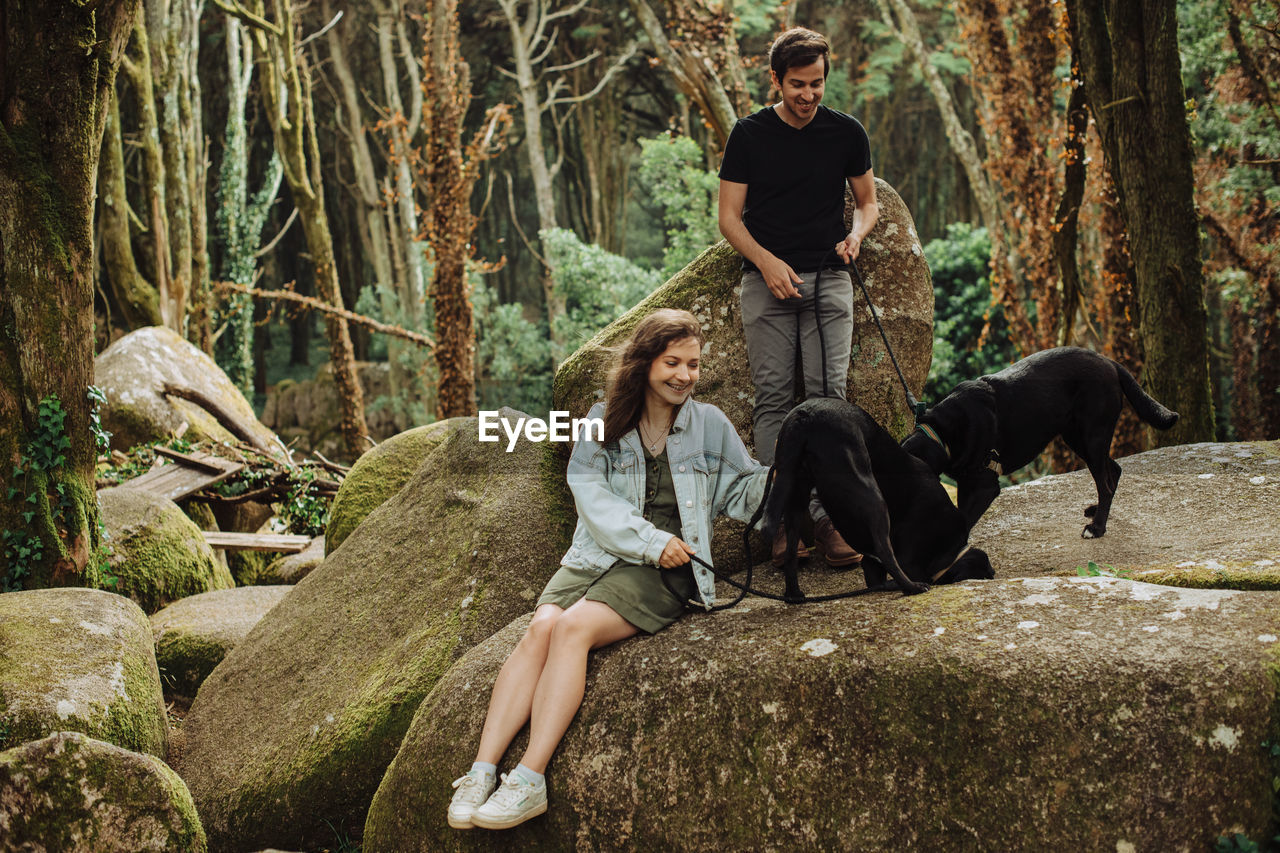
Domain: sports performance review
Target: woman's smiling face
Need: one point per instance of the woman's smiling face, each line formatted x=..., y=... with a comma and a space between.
x=673, y=374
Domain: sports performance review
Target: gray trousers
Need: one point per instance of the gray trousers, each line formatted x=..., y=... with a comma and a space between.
x=775, y=329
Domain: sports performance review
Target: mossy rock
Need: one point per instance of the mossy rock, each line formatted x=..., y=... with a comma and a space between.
x=897, y=278
x=78, y=660
x=291, y=568
x=158, y=554
x=1193, y=515
x=377, y=476
x=74, y=794
x=289, y=736
x=1026, y=714
x=133, y=372
x=193, y=635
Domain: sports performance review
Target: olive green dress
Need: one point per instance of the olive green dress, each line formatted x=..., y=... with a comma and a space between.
x=635, y=592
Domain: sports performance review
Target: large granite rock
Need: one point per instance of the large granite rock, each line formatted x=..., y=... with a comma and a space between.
x=1203, y=515
x=377, y=476
x=193, y=635
x=134, y=371
x=291, y=568
x=72, y=794
x=78, y=660
x=897, y=278
x=158, y=554
x=1025, y=714
x=289, y=736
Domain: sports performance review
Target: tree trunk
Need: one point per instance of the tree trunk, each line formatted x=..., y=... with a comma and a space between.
x=286, y=96
x=59, y=65
x=1128, y=51
x=134, y=295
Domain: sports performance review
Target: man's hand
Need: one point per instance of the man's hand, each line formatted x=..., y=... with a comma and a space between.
x=780, y=278
x=848, y=248
x=676, y=554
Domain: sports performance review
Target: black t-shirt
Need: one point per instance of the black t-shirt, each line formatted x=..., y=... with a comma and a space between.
x=795, y=181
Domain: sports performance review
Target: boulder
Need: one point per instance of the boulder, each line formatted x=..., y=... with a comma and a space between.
x=291, y=568
x=78, y=660
x=898, y=281
x=135, y=372
x=1192, y=515
x=1024, y=714
x=158, y=554
x=193, y=635
x=376, y=477
x=289, y=736
x=74, y=794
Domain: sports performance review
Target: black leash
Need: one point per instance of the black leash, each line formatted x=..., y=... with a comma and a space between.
x=917, y=408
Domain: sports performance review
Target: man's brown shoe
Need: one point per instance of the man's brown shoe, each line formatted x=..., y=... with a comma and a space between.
x=779, y=556
x=836, y=551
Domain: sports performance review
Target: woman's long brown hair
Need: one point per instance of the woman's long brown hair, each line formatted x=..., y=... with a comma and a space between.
x=624, y=400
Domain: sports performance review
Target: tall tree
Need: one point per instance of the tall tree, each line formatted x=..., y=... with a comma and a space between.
x=57, y=68
x=1128, y=54
x=286, y=98
x=451, y=173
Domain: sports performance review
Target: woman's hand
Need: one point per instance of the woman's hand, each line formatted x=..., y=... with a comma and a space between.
x=676, y=554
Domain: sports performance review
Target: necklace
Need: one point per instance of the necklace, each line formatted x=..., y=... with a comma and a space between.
x=653, y=446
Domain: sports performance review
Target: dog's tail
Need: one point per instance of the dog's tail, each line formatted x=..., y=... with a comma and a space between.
x=1147, y=407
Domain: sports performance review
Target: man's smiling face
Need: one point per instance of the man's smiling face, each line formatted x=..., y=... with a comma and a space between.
x=801, y=88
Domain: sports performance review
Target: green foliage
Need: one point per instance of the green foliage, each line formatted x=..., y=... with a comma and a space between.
x=303, y=510
x=101, y=437
x=139, y=460
x=513, y=355
x=671, y=175
x=962, y=307
x=595, y=286
x=39, y=467
x=1095, y=570
x=883, y=71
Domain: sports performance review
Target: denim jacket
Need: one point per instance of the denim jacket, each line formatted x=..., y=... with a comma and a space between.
x=713, y=475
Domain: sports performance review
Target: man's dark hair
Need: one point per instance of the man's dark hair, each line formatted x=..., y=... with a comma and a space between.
x=796, y=48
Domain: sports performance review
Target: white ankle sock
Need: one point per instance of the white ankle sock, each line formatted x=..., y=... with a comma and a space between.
x=529, y=776
x=486, y=767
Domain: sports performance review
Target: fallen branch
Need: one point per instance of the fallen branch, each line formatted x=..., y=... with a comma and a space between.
x=314, y=304
x=228, y=420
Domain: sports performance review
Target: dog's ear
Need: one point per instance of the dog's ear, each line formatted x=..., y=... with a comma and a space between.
x=976, y=431
x=975, y=564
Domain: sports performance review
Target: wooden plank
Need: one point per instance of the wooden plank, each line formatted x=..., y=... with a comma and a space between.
x=207, y=462
x=283, y=542
x=177, y=481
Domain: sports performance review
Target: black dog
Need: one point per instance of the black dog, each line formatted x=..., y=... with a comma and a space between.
x=998, y=423
x=885, y=502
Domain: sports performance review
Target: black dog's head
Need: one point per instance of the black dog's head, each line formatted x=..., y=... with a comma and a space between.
x=972, y=565
x=965, y=421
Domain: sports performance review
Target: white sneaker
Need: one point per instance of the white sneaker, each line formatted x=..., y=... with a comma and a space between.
x=512, y=804
x=472, y=790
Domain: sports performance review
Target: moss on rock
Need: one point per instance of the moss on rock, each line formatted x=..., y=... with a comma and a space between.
x=289, y=736
x=193, y=635
x=74, y=794
x=78, y=660
x=1033, y=714
x=377, y=476
x=158, y=554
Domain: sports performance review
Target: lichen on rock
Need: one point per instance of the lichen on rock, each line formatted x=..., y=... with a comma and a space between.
x=73, y=794
x=1038, y=713
x=78, y=660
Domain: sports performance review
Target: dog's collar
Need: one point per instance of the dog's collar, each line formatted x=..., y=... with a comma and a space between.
x=932, y=433
x=965, y=550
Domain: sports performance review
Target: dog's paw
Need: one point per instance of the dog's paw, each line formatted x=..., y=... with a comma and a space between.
x=1090, y=510
x=1092, y=531
x=915, y=588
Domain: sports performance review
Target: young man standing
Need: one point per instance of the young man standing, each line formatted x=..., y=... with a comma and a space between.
x=781, y=206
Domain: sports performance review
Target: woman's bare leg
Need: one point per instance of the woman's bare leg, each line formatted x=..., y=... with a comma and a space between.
x=584, y=626
x=514, y=688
